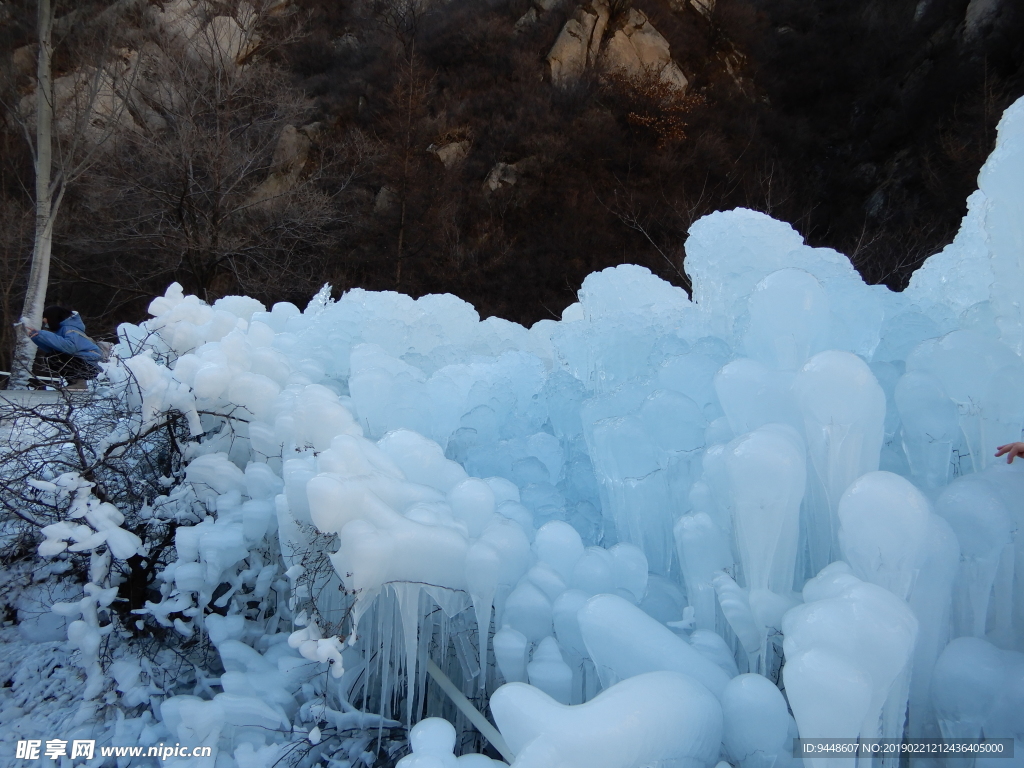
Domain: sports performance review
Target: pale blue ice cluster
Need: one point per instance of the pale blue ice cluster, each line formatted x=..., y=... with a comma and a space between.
x=662, y=531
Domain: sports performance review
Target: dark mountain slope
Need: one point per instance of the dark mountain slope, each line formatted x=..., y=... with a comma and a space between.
x=443, y=157
x=862, y=124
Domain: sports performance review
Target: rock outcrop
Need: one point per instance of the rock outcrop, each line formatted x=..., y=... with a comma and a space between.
x=23, y=60
x=152, y=92
x=704, y=7
x=452, y=153
x=579, y=43
x=501, y=175
x=90, y=101
x=178, y=20
x=979, y=18
x=637, y=47
x=527, y=19
x=133, y=91
x=504, y=175
x=631, y=46
x=385, y=202
x=222, y=41
x=290, y=156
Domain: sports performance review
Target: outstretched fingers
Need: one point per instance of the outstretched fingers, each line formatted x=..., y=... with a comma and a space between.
x=1011, y=451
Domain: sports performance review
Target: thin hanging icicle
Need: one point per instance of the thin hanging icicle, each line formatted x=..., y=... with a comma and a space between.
x=426, y=635
x=387, y=622
x=408, y=596
x=483, y=565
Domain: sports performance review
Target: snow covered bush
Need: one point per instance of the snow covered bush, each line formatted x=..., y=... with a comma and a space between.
x=88, y=476
x=108, y=540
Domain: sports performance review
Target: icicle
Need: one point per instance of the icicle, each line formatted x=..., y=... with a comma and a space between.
x=426, y=635
x=408, y=596
x=483, y=565
x=386, y=622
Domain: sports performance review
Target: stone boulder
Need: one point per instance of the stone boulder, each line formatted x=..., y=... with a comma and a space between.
x=501, y=175
x=637, y=48
x=528, y=19
x=247, y=18
x=578, y=44
x=633, y=47
x=385, y=201
x=704, y=7
x=980, y=18
x=451, y=154
x=178, y=20
x=278, y=7
x=223, y=42
x=24, y=59
x=287, y=164
x=504, y=175
x=292, y=149
x=152, y=93
x=346, y=45
x=87, y=100
x=109, y=108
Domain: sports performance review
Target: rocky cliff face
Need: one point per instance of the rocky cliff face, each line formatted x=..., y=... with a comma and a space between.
x=503, y=149
x=138, y=88
x=133, y=87
x=982, y=18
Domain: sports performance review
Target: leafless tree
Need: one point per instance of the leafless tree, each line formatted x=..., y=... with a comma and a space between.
x=185, y=150
x=67, y=122
x=223, y=189
x=15, y=234
x=402, y=20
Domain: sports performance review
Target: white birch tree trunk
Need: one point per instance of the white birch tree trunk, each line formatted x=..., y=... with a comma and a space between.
x=46, y=211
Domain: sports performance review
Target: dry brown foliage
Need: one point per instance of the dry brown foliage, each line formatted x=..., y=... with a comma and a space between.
x=654, y=106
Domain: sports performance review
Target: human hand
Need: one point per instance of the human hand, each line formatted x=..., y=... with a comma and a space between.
x=1012, y=451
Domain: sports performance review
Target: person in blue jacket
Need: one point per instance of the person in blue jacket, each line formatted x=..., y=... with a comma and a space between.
x=68, y=351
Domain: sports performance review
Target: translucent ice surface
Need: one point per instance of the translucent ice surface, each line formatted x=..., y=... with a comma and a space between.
x=843, y=410
x=789, y=319
x=767, y=474
x=433, y=741
x=643, y=533
x=658, y=717
x=758, y=725
x=884, y=524
x=623, y=641
x=845, y=676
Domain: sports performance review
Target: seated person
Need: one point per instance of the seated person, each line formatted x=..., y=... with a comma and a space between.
x=68, y=351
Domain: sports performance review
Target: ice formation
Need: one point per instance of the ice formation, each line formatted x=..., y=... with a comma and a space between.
x=592, y=527
x=652, y=718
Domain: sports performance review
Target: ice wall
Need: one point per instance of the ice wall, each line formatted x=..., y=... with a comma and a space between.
x=641, y=500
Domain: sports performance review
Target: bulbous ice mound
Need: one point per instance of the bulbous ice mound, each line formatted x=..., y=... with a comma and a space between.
x=659, y=718
x=758, y=726
x=623, y=641
x=627, y=514
x=847, y=676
